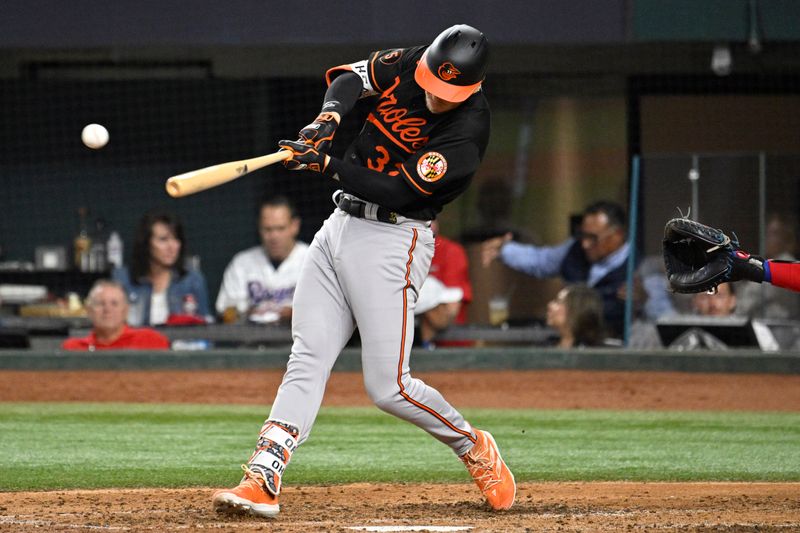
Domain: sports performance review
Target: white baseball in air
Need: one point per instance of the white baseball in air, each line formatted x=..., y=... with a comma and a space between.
x=94, y=136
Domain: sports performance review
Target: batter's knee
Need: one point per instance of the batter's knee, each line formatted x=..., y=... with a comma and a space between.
x=391, y=403
x=379, y=394
x=384, y=384
x=387, y=394
x=382, y=391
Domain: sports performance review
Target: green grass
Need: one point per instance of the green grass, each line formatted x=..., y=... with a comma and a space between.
x=86, y=445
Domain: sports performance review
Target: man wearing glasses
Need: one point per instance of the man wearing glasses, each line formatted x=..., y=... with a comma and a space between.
x=596, y=255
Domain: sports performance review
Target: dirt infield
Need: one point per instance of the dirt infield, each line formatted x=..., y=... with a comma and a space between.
x=541, y=389
x=540, y=506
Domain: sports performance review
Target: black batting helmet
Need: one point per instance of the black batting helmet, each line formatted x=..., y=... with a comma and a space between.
x=454, y=65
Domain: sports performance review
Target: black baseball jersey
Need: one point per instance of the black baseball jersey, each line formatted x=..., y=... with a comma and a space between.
x=407, y=147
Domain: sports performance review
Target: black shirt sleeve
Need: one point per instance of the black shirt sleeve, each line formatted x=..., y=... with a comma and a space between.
x=433, y=175
x=344, y=91
x=442, y=164
x=385, y=65
x=384, y=189
x=378, y=71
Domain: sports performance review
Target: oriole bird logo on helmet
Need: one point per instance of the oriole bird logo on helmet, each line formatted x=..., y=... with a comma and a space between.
x=448, y=71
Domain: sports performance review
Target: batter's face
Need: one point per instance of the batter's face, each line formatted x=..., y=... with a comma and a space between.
x=599, y=238
x=164, y=245
x=278, y=231
x=107, y=309
x=436, y=105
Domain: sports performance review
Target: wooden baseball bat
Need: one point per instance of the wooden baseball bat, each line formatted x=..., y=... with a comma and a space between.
x=205, y=178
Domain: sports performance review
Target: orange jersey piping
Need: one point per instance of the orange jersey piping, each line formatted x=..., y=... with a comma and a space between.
x=414, y=183
x=344, y=68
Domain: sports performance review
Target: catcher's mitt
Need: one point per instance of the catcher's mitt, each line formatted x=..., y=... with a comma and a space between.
x=698, y=257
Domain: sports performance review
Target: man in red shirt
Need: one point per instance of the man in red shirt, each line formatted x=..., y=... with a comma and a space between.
x=450, y=266
x=107, y=308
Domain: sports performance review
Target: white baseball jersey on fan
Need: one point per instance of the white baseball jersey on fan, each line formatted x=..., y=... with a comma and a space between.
x=252, y=282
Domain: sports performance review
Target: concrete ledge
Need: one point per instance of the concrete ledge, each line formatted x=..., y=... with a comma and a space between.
x=511, y=358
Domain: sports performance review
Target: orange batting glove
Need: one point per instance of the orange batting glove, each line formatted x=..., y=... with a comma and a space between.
x=320, y=133
x=304, y=156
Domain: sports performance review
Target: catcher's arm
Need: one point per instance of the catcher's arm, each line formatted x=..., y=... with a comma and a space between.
x=784, y=274
x=698, y=258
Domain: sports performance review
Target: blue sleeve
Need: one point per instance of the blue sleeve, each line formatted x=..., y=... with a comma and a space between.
x=538, y=261
x=658, y=302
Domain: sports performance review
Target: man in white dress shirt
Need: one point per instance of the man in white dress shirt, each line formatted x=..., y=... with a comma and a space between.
x=259, y=282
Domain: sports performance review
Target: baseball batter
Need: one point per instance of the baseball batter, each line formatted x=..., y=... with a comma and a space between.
x=420, y=145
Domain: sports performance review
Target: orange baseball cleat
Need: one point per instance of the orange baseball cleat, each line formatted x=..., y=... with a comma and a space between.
x=490, y=472
x=249, y=497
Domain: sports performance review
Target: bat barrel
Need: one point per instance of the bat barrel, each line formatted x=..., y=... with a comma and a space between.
x=205, y=178
x=173, y=188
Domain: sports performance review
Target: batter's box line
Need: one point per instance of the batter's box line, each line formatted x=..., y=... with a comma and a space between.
x=49, y=523
x=410, y=528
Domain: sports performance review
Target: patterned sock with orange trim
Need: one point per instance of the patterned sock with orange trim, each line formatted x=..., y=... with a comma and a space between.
x=276, y=443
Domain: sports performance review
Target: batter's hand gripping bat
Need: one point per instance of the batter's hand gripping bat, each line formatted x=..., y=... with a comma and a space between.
x=205, y=178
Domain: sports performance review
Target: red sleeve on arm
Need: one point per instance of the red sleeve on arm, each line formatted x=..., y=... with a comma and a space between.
x=74, y=343
x=785, y=274
x=453, y=266
x=141, y=339
x=463, y=271
x=150, y=339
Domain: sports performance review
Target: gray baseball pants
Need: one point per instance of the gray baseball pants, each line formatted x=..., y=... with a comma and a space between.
x=364, y=273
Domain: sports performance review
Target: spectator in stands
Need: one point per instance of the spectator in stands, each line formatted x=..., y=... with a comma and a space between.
x=722, y=303
x=713, y=308
x=436, y=308
x=450, y=266
x=107, y=306
x=259, y=282
x=764, y=300
x=576, y=313
x=651, y=296
x=596, y=255
x=161, y=289
x=651, y=300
